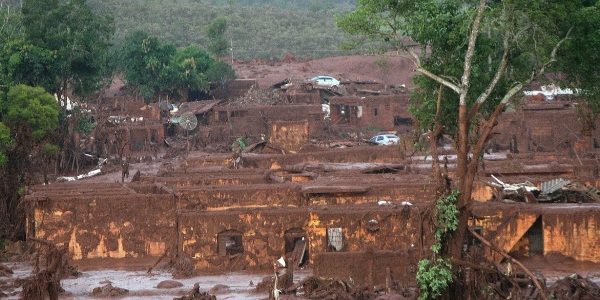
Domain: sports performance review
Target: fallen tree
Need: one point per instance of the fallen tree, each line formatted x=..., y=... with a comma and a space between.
x=45, y=282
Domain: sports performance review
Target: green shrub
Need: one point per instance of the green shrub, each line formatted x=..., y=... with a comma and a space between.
x=433, y=278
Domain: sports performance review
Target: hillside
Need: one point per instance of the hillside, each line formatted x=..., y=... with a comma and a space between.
x=256, y=29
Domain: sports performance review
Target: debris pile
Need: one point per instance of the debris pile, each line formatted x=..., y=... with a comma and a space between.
x=553, y=191
x=169, y=284
x=195, y=294
x=575, y=287
x=560, y=190
x=7, y=288
x=259, y=96
x=108, y=290
x=327, y=288
x=181, y=267
x=45, y=283
x=5, y=271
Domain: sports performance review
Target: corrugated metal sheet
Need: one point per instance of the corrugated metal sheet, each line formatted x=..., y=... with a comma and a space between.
x=549, y=187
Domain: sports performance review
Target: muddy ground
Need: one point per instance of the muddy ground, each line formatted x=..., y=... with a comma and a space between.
x=141, y=285
x=242, y=285
x=386, y=69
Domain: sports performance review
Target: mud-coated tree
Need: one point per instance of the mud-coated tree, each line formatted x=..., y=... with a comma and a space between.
x=473, y=58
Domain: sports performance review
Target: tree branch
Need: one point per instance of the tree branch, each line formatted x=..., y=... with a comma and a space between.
x=514, y=90
x=504, y=254
x=537, y=73
x=439, y=79
x=466, y=77
x=553, y=53
x=499, y=71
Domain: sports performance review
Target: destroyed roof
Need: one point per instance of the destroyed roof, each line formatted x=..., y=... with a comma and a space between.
x=356, y=100
x=280, y=84
x=197, y=107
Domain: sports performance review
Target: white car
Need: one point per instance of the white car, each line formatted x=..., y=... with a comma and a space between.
x=385, y=139
x=326, y=81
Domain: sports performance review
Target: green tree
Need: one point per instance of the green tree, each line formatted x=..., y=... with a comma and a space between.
x=143, y=59
x=473, y=58
x=24, y=63
x=31, y=110
x=10, y=24
x=191, y=64
x=77, y=37
x=218, y=44
x=579, y=62
x=29, y=117
x=154, y=68
x=5, y=143
x=220, y=73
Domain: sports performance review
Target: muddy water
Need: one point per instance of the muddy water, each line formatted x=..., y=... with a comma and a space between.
x=143, y=286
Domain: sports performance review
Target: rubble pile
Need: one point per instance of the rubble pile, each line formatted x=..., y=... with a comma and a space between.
x=575, y=287
x=195, y=294
x=554, y=191
x=259, y=96
x=7, y=287
x=327, y=288
x=108, y=290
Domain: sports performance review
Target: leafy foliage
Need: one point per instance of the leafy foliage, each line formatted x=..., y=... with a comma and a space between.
x=580, y=56
x=76, y=37
x=5, y=142
x=145, y=61
x=220, y=72
x=446, y=219
x=50, y=149
x=433, y=278
x=24, y=63
x=32, y=108
x=155, y=67
x=85, y=123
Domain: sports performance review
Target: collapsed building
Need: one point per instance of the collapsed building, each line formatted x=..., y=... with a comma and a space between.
x=346, y=212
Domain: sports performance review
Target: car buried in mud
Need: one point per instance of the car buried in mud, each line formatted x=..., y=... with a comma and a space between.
x=385, y=139
x=327, y=81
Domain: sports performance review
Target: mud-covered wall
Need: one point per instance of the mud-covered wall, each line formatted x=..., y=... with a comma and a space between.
x=126, y=226
x=368, y=268
x=570, y=230
x=226, y=197
x=263, y=233
x=550, y=126
x=229, y=122
x=289, y=135
x=343, y=155
x=369, y=111
x=413, y=193
x=574, y=235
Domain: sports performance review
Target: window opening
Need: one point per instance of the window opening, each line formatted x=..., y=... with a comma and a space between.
x=296, y=246
x=230, y=243
x=335, y=239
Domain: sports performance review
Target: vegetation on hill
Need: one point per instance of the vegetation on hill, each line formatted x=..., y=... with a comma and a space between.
x=255, y=29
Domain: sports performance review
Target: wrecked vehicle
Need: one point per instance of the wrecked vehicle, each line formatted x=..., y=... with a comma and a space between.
x=385, y=139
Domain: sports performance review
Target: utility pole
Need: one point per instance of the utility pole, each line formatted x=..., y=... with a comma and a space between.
x=231, y=49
